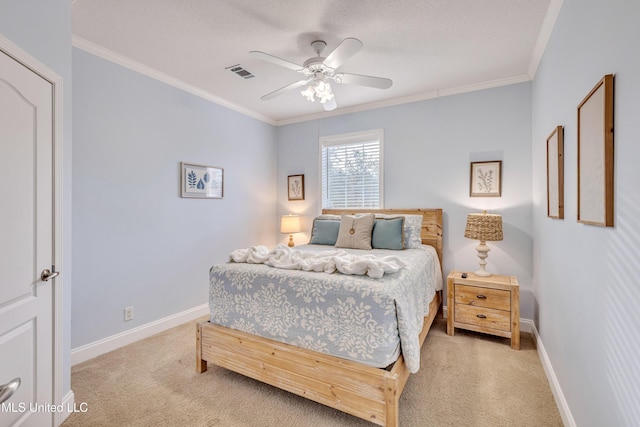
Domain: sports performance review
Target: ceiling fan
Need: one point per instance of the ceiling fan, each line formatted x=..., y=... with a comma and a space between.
x=318, y=71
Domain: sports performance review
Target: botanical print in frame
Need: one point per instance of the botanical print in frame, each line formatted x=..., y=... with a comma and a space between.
x=595, y=155
x=201, y=181
x=295, y=187
x=486, y=179
x=555, y=174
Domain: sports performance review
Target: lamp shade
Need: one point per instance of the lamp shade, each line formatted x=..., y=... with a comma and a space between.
x=484, y=227
x=290, y=224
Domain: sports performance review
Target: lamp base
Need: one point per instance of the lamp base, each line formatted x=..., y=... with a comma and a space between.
x=291, y=244
x=483, y=253
x=482, y=273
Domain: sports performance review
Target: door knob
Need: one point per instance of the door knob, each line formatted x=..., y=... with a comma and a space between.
x=6, y=390
x=47, y=274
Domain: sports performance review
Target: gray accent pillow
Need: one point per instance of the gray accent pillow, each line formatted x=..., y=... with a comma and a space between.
x=355, y=231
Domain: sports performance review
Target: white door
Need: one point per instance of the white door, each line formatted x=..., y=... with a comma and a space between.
x=26, y=245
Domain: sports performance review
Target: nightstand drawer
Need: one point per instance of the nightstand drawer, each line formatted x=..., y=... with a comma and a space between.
x=484, y=317
x=483, y=297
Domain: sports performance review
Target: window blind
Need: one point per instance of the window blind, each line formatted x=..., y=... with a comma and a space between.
x=351, y=173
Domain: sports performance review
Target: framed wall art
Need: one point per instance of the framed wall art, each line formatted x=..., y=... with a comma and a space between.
x=295, y=187
x=555, y=174
x=595, y=155
x=486, y=179
x=199, y=181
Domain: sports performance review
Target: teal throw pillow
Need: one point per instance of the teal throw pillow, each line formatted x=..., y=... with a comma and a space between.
x=325, y=232
x=388, y=233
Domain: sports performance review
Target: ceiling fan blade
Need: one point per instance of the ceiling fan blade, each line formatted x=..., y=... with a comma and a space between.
x=344, y=51
x=275, y=60
x=284, y=89
x=330, y=105
x=357, y=79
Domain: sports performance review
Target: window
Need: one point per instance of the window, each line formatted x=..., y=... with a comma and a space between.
x=351, y=167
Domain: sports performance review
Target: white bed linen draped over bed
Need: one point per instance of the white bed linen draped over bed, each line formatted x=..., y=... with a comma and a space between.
x=327, y=262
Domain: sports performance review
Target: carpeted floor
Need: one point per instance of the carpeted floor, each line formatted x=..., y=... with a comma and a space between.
x=466, y=380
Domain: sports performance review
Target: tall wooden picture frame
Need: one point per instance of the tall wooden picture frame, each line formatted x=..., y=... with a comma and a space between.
x=595, y=155
x=555, y=174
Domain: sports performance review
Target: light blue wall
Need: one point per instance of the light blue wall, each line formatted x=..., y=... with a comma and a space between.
x=135, y=241
x=42, y=28
x=586, y=283
x=136, y=247
x=428, y=146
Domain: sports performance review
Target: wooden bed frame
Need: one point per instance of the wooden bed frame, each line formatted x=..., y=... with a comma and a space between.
x=357, y=389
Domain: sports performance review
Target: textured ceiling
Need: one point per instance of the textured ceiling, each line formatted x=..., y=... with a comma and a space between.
x=427, y=47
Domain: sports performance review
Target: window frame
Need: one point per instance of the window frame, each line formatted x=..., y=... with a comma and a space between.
x=353, y=138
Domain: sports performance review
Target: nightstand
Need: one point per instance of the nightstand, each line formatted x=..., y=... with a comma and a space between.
x=484, y=304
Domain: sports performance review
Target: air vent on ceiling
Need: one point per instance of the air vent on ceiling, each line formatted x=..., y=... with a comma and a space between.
x=237, y=69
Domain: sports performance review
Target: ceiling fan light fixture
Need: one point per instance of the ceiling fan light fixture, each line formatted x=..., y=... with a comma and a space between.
x=308, y=93
x=317, y=72
x=318, y=89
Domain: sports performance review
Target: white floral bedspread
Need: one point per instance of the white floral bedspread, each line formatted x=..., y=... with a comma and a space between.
x=354, y=317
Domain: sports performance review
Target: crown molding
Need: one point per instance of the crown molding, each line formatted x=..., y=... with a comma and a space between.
x=129, y=63
x=521, y=78
x=544, y=35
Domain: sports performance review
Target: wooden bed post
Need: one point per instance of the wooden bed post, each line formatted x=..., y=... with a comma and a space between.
x=392, y=399
x=201, y=365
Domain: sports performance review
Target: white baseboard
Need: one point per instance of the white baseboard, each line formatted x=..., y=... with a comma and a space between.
x=106, y=345
x=94, y=349
x=68, y=405
x=561, y=402
x=526, y=325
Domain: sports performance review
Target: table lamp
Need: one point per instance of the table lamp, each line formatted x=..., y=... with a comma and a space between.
x=484, y=227
x=290, y=224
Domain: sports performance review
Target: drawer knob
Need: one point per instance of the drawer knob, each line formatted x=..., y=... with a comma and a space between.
x=481, y=296
x=481, y=316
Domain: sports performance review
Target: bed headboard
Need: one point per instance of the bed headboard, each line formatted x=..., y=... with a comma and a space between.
x=431, y=223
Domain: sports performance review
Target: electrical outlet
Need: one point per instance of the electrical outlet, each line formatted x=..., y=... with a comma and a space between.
x=128, y=314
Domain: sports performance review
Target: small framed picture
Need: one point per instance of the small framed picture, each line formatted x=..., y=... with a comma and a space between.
x=486, y=179
x=295, y=185
x=206, y=182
